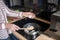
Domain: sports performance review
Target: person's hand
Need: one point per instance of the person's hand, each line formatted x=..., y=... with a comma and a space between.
x=29, y=14
x=12, y=27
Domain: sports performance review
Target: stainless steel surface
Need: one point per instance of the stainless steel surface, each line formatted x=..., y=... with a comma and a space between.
x=33, y=32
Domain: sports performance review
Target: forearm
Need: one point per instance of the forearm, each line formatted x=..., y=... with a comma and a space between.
x=12, y=13
x=9, y=12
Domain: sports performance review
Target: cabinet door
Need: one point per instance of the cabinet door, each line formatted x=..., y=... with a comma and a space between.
x=15, y=2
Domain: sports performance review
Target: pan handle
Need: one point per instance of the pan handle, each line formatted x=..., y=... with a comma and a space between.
x=42, y=20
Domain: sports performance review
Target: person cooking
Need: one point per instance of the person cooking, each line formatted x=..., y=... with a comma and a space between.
x=4, y=25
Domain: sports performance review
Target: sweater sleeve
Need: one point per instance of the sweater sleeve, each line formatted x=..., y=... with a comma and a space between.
x=9, y=12
x=12, y=13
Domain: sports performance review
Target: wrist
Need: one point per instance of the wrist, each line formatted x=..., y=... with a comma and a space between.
x=21, y=14
x=24, y=14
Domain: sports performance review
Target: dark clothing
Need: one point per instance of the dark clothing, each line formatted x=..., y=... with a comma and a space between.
x=6, y=38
